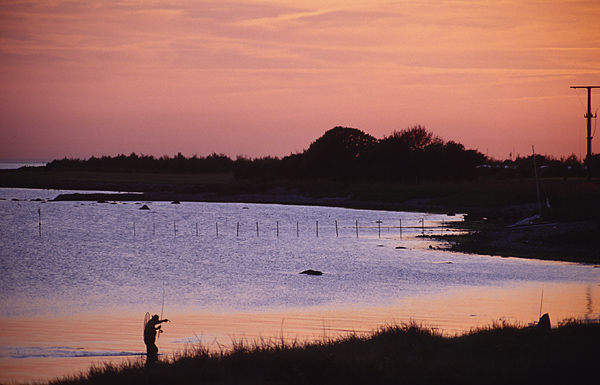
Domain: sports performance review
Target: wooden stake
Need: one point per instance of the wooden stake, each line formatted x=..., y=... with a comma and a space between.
x=257, y=229
x=400, y=228
x=217, y=228
x=40, y=220
x=237, y=231
x=357, y=229
x=336, y=230
x=317, y=222
x=297, y=230
x=277, y=229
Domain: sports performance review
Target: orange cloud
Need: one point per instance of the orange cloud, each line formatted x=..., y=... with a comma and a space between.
x=267, y=77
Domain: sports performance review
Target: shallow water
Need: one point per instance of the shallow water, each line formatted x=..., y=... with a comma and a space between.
x=75, y=290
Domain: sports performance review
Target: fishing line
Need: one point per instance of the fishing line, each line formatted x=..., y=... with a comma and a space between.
x=162, y=308
x=541, y=301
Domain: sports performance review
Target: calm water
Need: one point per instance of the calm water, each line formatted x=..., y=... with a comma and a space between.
x=16, y=165
x=76, y=291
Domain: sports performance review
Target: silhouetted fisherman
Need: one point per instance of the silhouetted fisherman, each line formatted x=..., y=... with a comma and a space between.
x=150, y=338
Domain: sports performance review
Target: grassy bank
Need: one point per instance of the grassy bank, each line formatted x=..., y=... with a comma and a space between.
x=502, y=354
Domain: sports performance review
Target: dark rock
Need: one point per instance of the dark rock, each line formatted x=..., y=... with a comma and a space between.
x=400, y=247
x=544, y=323
x=145, y=207
x=312, y=272
x=175, y=202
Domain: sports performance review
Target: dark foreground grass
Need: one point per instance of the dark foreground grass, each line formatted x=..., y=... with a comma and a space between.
x=406, y=354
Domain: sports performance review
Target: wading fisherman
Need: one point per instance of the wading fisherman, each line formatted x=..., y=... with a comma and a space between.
x=150, y=338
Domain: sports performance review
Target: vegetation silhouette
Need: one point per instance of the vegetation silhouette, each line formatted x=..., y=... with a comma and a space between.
x=408, y=353
x=349, y=154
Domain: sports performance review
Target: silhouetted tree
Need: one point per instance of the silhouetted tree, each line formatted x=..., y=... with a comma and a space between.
x=337, y=153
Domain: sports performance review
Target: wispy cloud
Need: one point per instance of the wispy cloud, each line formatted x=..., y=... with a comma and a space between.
x=352, y=57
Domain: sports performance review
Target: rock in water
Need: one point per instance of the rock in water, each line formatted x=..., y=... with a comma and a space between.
x=312, y=272
x=145, y=207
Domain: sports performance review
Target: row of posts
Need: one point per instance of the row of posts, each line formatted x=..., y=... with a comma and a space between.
x=337, y=234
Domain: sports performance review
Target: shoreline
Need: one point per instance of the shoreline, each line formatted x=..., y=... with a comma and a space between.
x=491, y=207
x=544, y=240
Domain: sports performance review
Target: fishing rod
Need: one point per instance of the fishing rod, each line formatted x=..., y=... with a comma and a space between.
x=162, y=308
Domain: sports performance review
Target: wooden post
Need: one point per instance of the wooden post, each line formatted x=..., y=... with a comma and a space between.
x=134, y=229
x=174, y=229
x=217, y=228
x=257, y=229
x=317, y=229
x=379, y=229
x=422, y=226
x=356, y=228
x=40, y=220
x=400, y=228
x=277, y=229
x=237, y=231
x=336, y=230
x=297, y=230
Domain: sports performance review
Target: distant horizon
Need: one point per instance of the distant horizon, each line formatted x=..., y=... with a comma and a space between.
x=126, y=153
x=266, y=77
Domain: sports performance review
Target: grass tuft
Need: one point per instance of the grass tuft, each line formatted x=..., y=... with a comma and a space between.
x=407, y=353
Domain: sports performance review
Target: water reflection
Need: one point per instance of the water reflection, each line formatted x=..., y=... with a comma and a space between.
x=78, y=293
x=114, y=338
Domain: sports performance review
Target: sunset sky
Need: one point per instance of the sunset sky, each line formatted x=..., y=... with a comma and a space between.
x=255, y=78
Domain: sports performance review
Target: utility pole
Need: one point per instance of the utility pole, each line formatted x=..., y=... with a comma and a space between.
x=589, y=117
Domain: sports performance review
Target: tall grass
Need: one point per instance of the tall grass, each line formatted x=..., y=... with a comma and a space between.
x=396, y=354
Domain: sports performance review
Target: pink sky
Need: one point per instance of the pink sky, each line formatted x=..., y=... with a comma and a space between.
x=83, y=78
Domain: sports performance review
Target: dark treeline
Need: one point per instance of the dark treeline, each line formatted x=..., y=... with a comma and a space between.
x=147, y=163
x=349, y=154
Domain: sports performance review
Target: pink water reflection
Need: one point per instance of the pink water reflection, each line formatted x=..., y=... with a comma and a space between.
x=452, y=312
